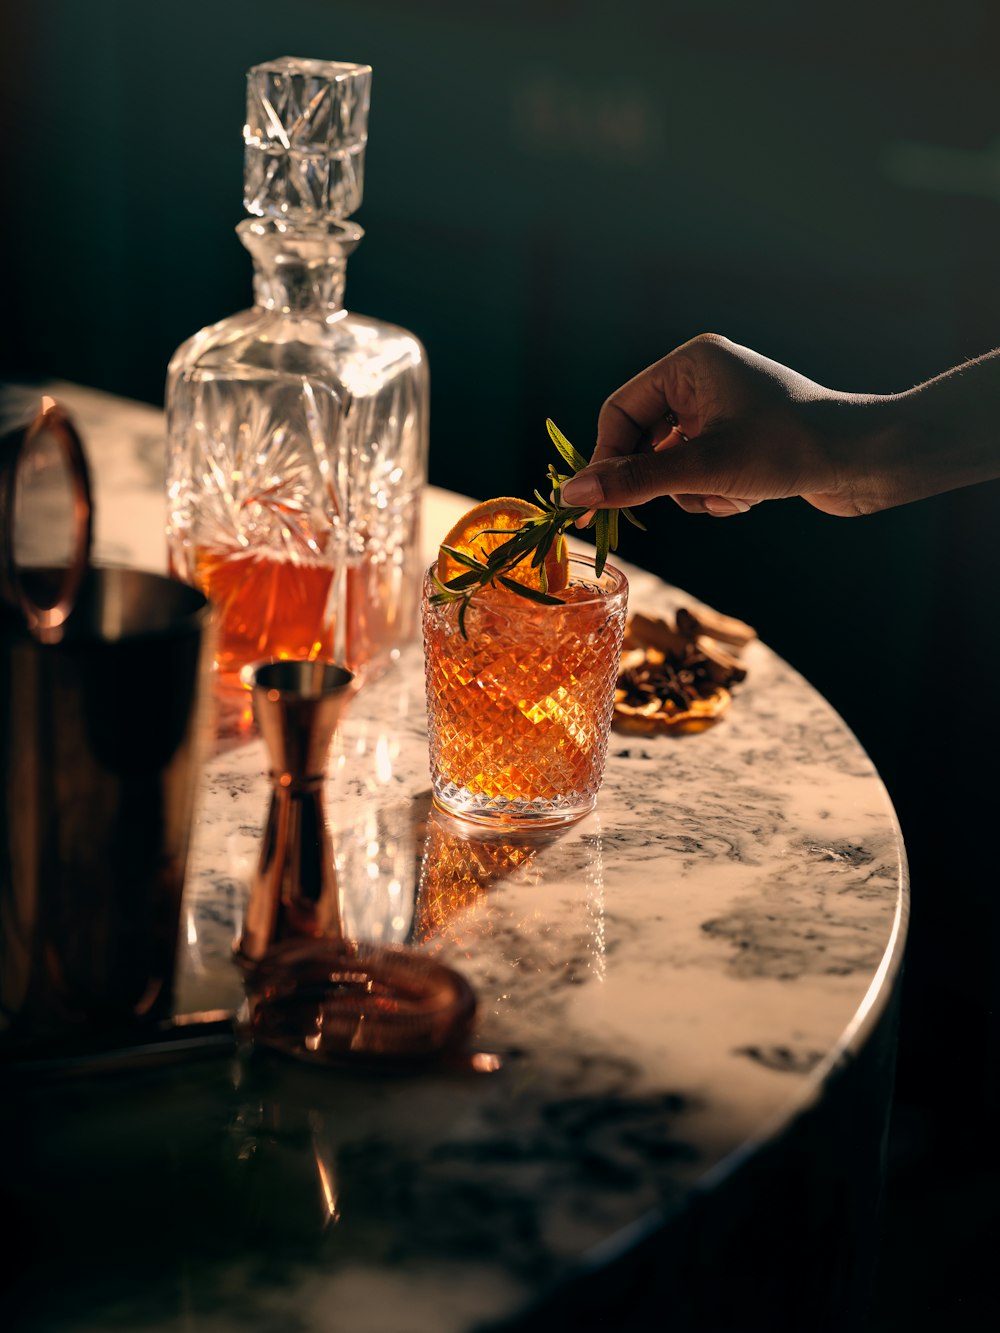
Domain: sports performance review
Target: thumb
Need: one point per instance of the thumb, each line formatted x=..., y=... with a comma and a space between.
x=684, y=469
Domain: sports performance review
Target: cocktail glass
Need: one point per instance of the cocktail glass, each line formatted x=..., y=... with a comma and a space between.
x=520, y=705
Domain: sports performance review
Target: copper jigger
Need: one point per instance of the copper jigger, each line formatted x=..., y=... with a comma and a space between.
x=310, y=993
x=294, y=894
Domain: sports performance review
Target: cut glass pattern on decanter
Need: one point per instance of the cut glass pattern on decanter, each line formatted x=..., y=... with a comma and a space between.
x=298, y=430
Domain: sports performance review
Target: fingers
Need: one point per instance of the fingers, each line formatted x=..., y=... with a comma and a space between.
x=718, y=506
x=701, y=480
x=644, y=412
x=714, y=425
x=667, y=434
x=618, y=433
x=635, y=478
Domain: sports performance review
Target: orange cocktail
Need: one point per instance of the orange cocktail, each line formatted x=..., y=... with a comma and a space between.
x=520, y=704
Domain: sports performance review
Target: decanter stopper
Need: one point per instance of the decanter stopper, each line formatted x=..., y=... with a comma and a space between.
x=305, y=137
x=294, y=894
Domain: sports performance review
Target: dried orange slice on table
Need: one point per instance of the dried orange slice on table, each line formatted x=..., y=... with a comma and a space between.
x=679, y=677
x=486, y=526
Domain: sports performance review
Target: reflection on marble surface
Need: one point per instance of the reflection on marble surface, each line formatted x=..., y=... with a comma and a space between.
x=666, y=981
x=662, y=979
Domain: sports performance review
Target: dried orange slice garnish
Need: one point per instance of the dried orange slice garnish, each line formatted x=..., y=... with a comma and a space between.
x=675, y=677
x=664, y=715
x=488, y=525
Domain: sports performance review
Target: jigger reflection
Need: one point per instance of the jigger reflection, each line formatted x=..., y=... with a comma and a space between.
x=311, y=993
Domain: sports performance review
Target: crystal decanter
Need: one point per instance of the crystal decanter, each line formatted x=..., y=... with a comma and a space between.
x=297, y=429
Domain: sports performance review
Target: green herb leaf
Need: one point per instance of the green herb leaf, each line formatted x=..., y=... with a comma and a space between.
x=574, y=459
x=460, y=582
x=462, y=558
x=532, y=541
x=602, y=539
x=532, y=594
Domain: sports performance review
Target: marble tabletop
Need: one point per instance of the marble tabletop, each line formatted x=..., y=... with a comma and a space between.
x=669, y=983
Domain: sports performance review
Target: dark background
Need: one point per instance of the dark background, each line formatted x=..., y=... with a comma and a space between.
x=557, y=194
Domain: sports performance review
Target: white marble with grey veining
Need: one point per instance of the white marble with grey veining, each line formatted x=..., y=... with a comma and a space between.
x=668, y=982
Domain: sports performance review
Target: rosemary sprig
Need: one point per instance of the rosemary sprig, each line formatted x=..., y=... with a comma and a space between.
x=532, y=541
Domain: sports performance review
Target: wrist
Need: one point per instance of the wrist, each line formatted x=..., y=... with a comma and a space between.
x=863, y=442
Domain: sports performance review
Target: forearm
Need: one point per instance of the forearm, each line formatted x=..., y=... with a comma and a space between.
x=945, y=433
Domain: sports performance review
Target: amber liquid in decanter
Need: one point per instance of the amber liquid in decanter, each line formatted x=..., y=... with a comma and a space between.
x=272, y=607
x=298, y=429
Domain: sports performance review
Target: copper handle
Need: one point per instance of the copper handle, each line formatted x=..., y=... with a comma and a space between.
x=45, y=621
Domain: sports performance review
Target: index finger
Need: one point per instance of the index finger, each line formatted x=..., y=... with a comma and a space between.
x=641, y=413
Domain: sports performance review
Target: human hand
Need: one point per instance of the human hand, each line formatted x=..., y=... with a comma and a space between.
x=719, y=428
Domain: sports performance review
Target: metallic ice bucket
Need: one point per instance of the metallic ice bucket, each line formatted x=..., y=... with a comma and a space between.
x=100, y=743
